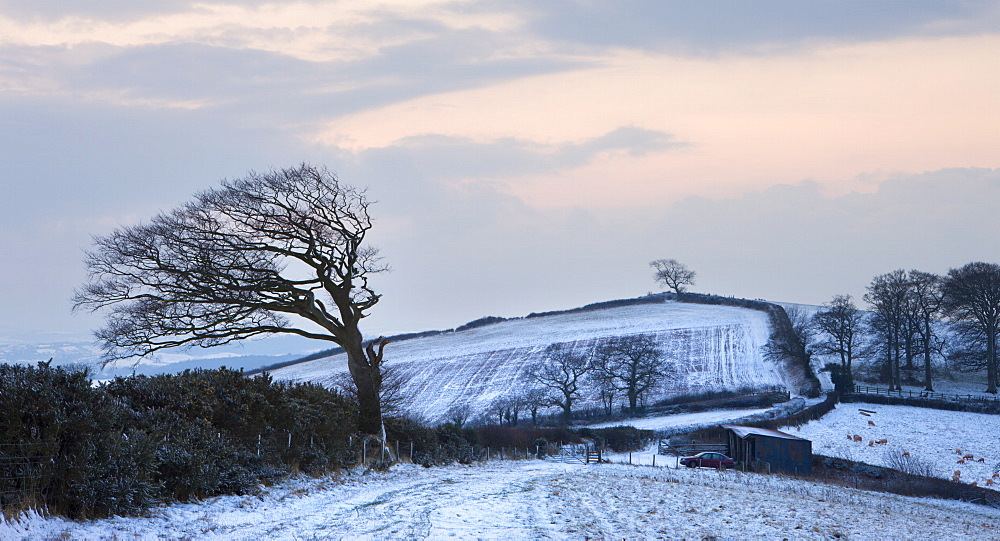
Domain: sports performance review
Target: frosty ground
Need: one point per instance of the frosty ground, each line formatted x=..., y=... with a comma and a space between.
x=538, y=499
x=932, y=437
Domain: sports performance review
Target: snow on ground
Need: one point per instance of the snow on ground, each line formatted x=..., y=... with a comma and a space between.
x=684, y=420
x=932, y=437
x=714, y=347
x=537, y=499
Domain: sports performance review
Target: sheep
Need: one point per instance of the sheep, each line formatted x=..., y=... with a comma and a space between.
x=989, y=482
x=968, y=455
x=981, y=459
x=958, y=451
x=871, y=443
x=858, y=438
x=871, y=423
x=906, y=453
x=882, y=441
x=960, y=461
x=958, y=473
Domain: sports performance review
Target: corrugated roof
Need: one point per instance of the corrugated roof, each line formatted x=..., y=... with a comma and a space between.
x=744, y=431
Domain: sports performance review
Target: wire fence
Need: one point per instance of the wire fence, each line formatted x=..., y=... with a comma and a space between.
x=25, y=471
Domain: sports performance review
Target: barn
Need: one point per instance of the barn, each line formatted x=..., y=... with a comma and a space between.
x=765, y=448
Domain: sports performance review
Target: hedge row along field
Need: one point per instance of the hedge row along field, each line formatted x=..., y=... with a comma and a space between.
x=80, y=450
x=71, y=448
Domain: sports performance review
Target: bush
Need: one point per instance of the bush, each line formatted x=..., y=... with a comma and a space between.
x=620, y=439
x=85, y=451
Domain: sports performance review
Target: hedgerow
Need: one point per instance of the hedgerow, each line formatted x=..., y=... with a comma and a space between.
x=89, y=451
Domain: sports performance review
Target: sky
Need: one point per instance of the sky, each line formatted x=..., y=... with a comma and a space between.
x=525, y=155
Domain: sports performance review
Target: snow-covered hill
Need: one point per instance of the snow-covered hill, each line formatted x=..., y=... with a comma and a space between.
x=713, y=347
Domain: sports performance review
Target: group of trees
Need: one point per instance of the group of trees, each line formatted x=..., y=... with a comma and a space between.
x=626, y=367
x=286, y=252
x=915, y=317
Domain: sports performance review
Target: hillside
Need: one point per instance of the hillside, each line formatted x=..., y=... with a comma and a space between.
x=711, y=347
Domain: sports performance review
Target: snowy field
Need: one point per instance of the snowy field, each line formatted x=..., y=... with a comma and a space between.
x=713, y=347
x=684, y=420
x=535, y=499
x=932, y=437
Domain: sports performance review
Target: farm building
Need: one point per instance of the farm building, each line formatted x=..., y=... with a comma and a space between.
x=785, y=453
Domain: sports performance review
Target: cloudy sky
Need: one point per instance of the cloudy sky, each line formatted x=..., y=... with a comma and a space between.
x=526, y=156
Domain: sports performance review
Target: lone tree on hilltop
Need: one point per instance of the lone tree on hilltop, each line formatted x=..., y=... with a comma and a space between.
x=673, y=274
x=235, y=262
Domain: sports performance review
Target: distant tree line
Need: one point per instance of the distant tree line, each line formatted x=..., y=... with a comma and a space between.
x=914, y=320
x=625, y=368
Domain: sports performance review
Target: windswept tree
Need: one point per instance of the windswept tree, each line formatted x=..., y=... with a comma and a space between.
x=972, y=297
x=277, y=252
x=635, y=365
x=673, y=274
x=841, y=324
x=561, y=374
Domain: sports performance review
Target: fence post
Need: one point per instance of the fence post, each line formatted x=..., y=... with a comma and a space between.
x=411, y=451
x=364, y=452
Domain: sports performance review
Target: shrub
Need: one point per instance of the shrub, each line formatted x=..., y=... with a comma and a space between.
x=85, y=451
x=620, y=439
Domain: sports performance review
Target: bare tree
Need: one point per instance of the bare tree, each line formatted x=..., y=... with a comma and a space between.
x=926, y=302
x=634, y=363
x=458, y=415
x=792, y=343
x=561, y=374
x=673, y=274
x=889, y=295
x=841, y=324
x=602, y=381
x=533, y=399
x=972, y=297
x=239, y=260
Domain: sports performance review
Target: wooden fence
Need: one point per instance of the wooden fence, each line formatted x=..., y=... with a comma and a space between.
x=929, y=395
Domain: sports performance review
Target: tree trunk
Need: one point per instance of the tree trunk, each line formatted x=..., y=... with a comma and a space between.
x=927, y=356
x=369, y=383
x=991, y=359
x=633, y=399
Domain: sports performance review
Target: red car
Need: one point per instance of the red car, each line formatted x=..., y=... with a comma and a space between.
x=709, y=460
